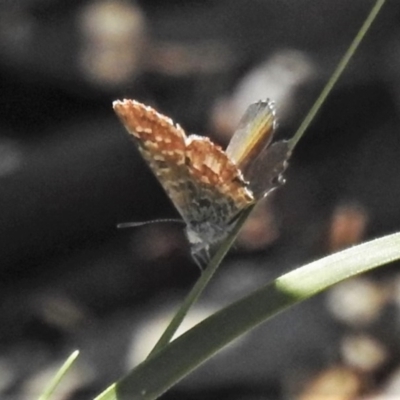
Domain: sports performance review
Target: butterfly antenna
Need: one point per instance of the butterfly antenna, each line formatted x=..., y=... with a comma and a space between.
x=154, y=221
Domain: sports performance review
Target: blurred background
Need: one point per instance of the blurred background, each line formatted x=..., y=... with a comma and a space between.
x=69, y=174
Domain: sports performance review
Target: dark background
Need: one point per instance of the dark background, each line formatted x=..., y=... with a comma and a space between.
x=69, y=174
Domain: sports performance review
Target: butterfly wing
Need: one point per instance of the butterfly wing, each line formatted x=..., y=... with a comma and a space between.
x=203, y=184
x=266, y=173
x=218, y=195
x=253, y=150
x=220, y=190
x=255, y=131
x=162, y=145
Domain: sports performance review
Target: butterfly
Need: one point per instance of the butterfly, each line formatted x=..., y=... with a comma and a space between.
x=209, y=187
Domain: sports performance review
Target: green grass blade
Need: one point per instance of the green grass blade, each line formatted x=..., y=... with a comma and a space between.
x=212, y=267
x=59, y=376
x=336, y=74
x=157, y=374
x=200, y=285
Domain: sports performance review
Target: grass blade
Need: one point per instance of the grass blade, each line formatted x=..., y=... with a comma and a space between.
x=337, y=73
x=157, y=374
x=59, y=376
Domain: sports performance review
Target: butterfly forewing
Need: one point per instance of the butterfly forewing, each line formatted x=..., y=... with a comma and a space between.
x=260, y=160
x=255, y=131
x=162, y=145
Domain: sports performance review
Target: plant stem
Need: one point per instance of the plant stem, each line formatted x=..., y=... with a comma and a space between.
x=157, y=374
x=51, y=387
x=336, y=74
x=200, y=285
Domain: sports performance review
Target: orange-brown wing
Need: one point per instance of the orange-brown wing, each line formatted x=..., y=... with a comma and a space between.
x=162, y=145
x=220, y=191
x=201, y=181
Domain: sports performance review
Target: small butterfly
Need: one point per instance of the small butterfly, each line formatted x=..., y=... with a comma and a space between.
x=209, y=187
